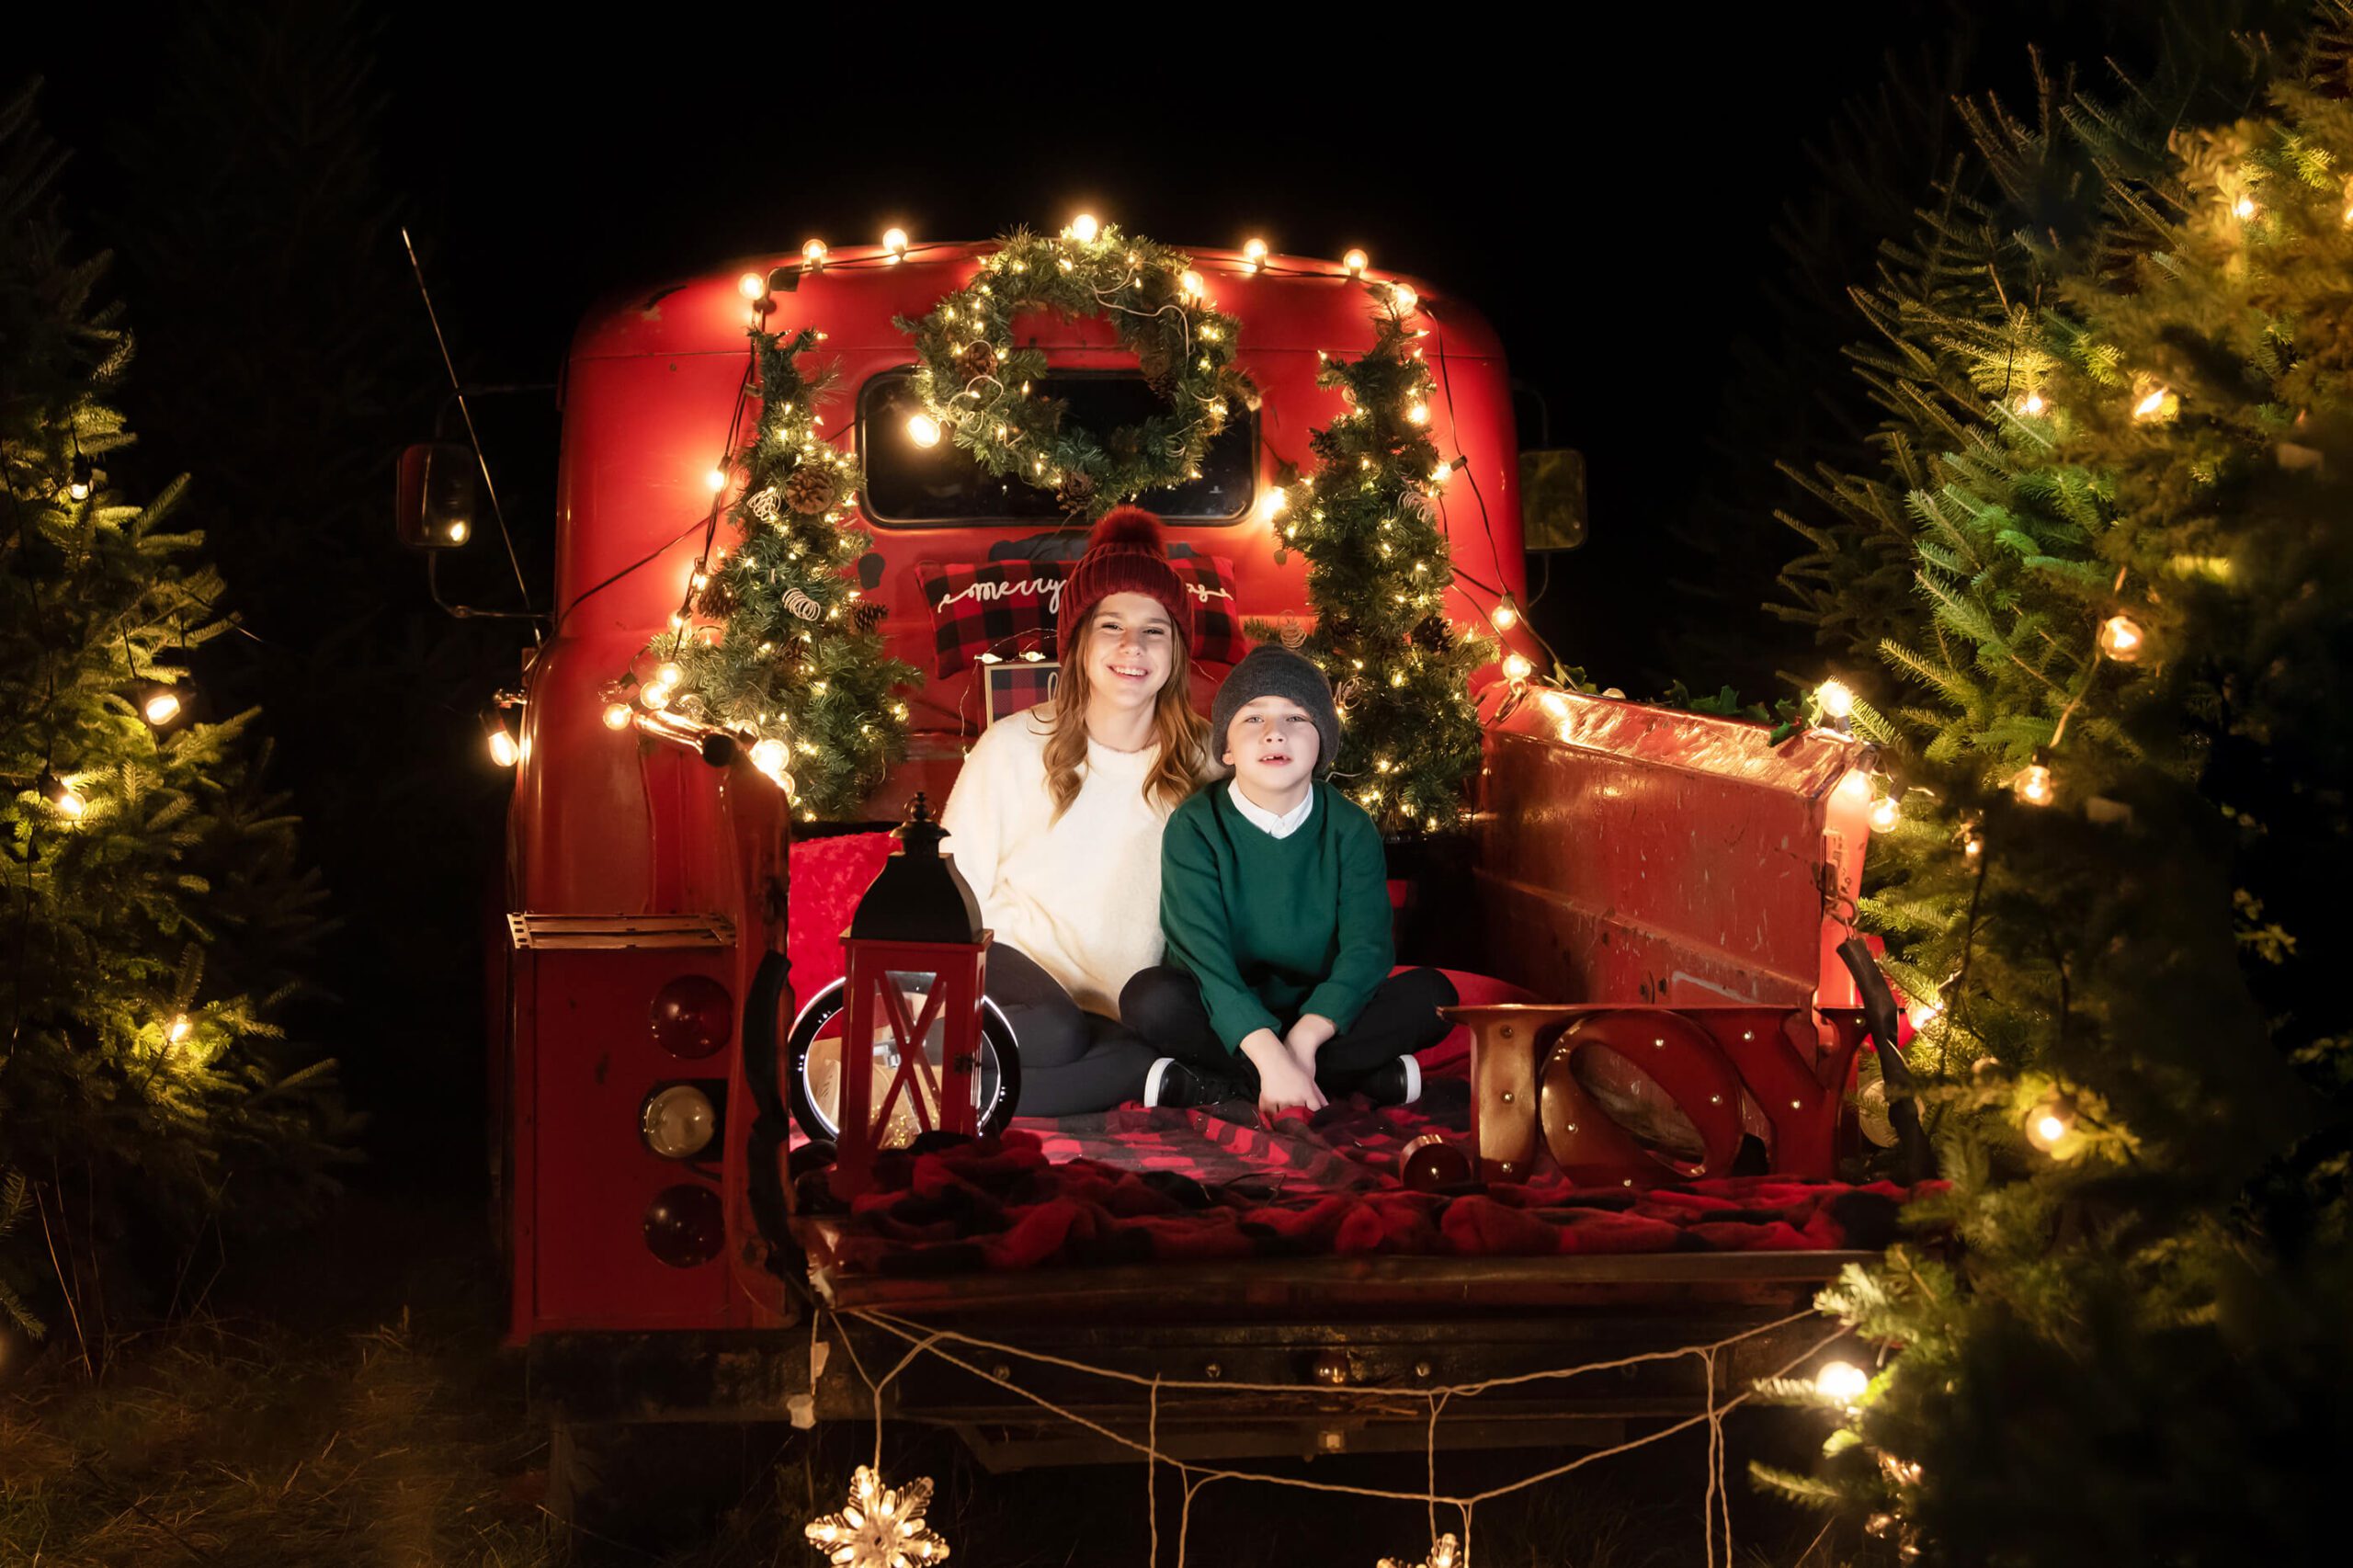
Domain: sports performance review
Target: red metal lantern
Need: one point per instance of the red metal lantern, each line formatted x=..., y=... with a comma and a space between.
x=914, y=957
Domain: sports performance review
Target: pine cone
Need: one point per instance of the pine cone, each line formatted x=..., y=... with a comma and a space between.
x=866, y=615
x=717, y=601
x=978, y=359
x=810, y=490
x=1432, y=635
x=1076, y=490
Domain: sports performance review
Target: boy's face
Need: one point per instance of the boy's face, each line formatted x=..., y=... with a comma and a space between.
x=1271, y=745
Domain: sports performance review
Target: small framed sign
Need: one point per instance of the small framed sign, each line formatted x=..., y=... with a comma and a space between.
x=1016, y=684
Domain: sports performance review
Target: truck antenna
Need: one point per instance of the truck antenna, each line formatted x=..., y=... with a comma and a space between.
x=458, y=391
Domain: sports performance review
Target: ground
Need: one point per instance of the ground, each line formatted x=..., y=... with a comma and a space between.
x=341, y=1397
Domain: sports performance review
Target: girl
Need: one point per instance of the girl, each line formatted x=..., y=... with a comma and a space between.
x=1055, y=820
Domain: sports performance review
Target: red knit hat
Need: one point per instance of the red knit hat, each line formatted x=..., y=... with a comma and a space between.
x=1124, y=555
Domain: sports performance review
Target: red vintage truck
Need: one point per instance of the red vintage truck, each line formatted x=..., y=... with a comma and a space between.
x=1677, y=869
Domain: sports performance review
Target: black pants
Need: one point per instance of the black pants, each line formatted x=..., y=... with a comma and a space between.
x=1164, y=1004
x=1072, y=1061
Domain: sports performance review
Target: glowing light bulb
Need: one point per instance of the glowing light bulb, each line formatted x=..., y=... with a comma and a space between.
x=1442, y=473
x=1417, y=414
x=1924, y=1011
x=1856, y=786
x=752, y=284
x=1355, y=261
x=2033, y=787
x=1271, y=503
x=667, y=673
x=923, y=430
x=1503, y=616
x=456, y=533
x=2032, y=405
x=1255, y=250
x=2121, y=638
x=161, y=708
x=2155, y=403
x=656, y=697
x=1518, y=669
x=814, y=254
x=1835, y=699
x=1841, y=1381
x=895, y=242
x=716, y=479
x=768, y=756
x=1974, y=845
x=677, y=621
x=1885, y=813
x=503, y=750
x=617, y=715
x=1084, y=228
x=62, y=797
x=2051, y=1119
x=2243, y=207
x=1406, y=298
x=79, y=488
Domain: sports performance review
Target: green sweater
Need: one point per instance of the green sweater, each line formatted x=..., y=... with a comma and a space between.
x=1276, y=928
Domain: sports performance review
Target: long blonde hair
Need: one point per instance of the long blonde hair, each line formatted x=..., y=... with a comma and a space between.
x=1181, y=733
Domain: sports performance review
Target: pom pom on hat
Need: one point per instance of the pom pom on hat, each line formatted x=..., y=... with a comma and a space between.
x=1129, y=525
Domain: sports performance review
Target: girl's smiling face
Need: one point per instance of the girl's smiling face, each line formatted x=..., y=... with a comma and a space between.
x=1129, y=644
x=1273, y=746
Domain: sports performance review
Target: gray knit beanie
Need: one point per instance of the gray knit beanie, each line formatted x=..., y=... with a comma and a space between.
x=1271, y=670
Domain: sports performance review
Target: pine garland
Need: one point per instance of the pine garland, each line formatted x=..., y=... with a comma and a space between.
x=780, y=648
x=975, y=381
x=1377, y=576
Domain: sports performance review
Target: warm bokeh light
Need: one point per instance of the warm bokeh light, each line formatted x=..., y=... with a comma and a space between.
x=1503, y=616
x=895, y=242
x=161, y=708
x=2033, y=787
x=815, y=252
x=923, y=430
x=617, y=715
x=1885, y=813
x=752, y=284
x=1084, y=228
x=1835, y=699
x=1517, y=667
x=1841, y=1381
x=1355, y=261
x=2121, y=638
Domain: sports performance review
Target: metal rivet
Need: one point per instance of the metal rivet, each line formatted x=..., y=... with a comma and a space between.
x=1797, y=1105
x=1629, y=1181
x=1571, y=1128
x=1506, y=1097
x=1421, y=1369
x=1659, y=1044
x=1504, y=1033
x=1715, y=1099
x=1213, y=1371
x=1748, y=1034
x=1001, y=1371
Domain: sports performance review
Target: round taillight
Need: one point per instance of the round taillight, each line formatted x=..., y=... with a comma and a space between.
x=693, y=1016
x=678, y=1121
x=685, y=1226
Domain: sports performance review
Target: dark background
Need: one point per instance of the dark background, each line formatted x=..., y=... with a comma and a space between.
x=1659, y=210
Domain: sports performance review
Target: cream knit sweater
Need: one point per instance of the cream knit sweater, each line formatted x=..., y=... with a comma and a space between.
x=1081, y=895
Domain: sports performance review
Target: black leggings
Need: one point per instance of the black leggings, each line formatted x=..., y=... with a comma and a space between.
x=1164, y=1004
x=1072, y=1061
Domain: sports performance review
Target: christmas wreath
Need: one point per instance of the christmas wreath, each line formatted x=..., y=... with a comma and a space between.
x=977, y=384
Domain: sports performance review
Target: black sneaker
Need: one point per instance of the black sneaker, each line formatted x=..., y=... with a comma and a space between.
x=1395, y=1082
x=1175, y=1083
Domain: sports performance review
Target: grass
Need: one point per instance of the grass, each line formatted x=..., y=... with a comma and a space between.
x=345, y=1401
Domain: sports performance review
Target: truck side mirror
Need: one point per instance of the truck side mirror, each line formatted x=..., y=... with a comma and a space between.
x=1552, y=498
x=435, y=507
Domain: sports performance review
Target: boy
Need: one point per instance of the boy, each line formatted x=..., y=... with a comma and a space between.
x=1274, y=900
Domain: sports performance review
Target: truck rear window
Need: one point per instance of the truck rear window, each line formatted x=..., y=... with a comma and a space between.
x=940, y=485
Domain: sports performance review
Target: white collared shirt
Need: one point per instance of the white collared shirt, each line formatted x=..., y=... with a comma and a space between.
x=1281, y=826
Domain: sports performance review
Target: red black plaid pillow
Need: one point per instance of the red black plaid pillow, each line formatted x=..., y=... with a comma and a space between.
x=1009, y=608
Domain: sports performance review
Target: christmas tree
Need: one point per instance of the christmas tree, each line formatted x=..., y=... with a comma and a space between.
x=1379, y=577
x=156, y=909
x=2096, y=606
x=776, y=644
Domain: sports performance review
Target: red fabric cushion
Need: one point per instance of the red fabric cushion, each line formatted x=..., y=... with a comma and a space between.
x=1009, y=607
x=829, y=876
